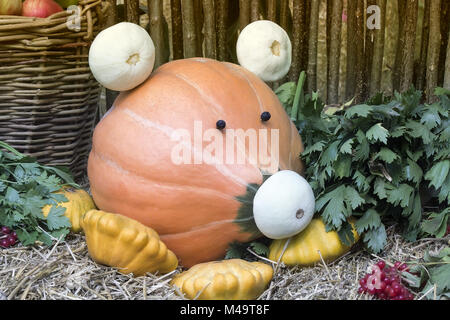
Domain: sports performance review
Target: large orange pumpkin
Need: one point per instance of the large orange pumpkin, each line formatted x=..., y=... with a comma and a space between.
x=198, y=209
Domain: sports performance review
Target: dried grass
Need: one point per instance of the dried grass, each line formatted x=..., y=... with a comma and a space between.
x=65, y=272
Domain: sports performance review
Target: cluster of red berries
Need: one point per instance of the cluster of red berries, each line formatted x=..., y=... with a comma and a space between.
x=385, y=283
x=7, y=237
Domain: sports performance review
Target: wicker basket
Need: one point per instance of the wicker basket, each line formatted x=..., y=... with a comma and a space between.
x=48, y=96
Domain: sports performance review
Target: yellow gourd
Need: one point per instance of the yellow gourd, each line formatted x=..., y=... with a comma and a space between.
x=79, y=202
x=117, y=241
x=233, y=279
x=303, y=248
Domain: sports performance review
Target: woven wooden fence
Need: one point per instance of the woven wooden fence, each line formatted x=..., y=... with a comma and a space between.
x=331, y=39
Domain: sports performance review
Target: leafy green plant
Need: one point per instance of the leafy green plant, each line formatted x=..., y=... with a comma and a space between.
x=386, y=159
x=431, y=275
x=25, y=188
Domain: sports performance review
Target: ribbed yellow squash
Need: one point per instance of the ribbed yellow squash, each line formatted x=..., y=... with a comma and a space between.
x=233, y=279
x=303, y=248
x=117, y=241
x=79, y=202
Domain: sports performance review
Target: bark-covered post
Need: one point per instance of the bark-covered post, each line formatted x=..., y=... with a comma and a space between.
x=272, y=10
x=335, y=50
x=156, y=26
x=111, y=20
x=210, y=29
x=298, y=39
x=132, y=10
x=434, y=44
x=407, y=51
x=177, y=29
x=359, y=33
x=244, y=13
x=312, y=47
x=199, y=21
x=284, y=15
x=422, y=67
x=189, y=35
x=445, y=26
x=378, y=51
x=447, y=66
x=254, y=10
x=352, y=48
x=221, y=23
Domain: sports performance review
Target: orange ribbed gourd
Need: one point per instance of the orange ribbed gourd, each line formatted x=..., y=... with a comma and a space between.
x=197, y=208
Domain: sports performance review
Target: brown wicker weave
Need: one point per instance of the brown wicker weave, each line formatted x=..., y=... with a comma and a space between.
x=48, y=96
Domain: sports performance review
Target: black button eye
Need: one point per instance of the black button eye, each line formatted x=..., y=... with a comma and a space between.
x=265, y=116
x=221, y=124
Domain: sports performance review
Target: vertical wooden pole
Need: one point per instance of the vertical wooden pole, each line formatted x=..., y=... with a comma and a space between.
x=221, y=22
x=434, y=44
x=407, y=57
x=447, y=66
x=312, y=48
x=244, y=13
x=199, y=21
x=377, y=61
x=177, y=30
x=254, y=10
x=360, y=26
x=272, y=10
x=112, y=19
x=284, y=14
x=421, y=73
x=445, y=26
x=298, y=38
x=132, y=11
x=352, y=48
x=156, y=28
x=210, y=29
x=189, y=35
x=335, y=50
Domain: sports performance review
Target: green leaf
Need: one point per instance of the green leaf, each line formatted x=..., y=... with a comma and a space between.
x=345, y=234
x=362, y=183
x=334, y=210
x=377, y=133
x=330, y=154
x=370, y=220
x=317, y=147
x=387, y=155
x=353, y=198
x=342, y=167
x=376, y=238
x=400, y=195
x=362, y=150
x=441, y=277
x=380, y=188
x=260, y=248
x=56, y=218
x=12, y=195
x=418, y=130
x=235, y=250
x=346, y=147
x=438, y=173
x=412, y=171
x=362, y=111
x=436, y=225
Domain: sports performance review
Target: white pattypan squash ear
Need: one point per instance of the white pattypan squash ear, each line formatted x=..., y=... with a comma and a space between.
x=284, y=205
x=264, y=48
x=122, y=56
